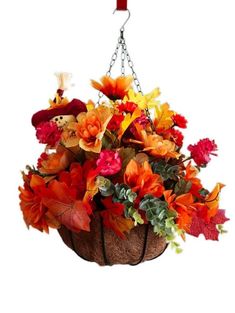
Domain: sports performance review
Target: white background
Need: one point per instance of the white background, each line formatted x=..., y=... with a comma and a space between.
x=186, y=48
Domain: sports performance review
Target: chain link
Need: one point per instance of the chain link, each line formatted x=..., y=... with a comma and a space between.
x=114, y=58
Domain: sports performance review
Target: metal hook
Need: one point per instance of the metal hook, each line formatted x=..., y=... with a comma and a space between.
x=129, y=15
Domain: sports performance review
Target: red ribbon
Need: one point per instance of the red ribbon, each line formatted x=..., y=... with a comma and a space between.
x=121, y=5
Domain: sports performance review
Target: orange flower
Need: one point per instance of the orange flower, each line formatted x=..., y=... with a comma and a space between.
x=184, y=208
x=142, y=180
x=113, y=88
x=191, y=175
x=91, y=126
x=34, y=211
x=155, y=145
x=183, y=205
x=55, y=162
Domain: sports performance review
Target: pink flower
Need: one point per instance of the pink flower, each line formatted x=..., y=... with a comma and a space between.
x=201, y=151
x=48, y=133
x=109, y=162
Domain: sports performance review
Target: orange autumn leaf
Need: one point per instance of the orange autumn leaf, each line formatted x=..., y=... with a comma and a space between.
x=91, y=188
x=169, y=198
x=142, y=180
x=34, y=212
x=212, y=200
x=184, y=200
x=113, y=219
x=129, y=118
x=62, y=204
x=113, y=88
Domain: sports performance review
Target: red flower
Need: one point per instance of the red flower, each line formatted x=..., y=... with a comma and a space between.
x=201, y=151
x=43, y=157
x=128, y=107
x=175, y=135
x=48, y=133
x=115, y=122
x=109, y=162
x=179, y=120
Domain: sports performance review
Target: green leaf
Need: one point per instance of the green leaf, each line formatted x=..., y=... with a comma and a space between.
x=182, y=187
x=165, y=170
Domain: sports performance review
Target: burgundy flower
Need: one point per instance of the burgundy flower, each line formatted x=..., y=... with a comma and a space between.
x=201, y=151
x=109, y=162
x=180, y=120
x=142, y=120
x=48, y=133
x=115, y=122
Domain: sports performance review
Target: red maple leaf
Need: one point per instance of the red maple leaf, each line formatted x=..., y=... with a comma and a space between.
x=208, y=229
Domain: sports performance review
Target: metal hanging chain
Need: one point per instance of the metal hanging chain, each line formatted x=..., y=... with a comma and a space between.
x=130, y=63
x=124, y=56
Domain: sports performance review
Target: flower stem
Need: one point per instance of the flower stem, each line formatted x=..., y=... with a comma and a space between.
x=189, y=158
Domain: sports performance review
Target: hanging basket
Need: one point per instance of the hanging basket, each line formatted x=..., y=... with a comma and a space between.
x=112, y=178
x=103, y=246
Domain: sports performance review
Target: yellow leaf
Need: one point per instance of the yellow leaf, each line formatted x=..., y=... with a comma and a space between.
x=143, y=101
x=90, y=105
x=127, y=121
x=163, y=116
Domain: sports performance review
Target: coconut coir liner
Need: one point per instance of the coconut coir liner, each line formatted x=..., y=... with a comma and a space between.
x=101, y=245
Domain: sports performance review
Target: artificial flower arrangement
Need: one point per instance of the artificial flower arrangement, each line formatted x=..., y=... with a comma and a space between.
x=120, y=163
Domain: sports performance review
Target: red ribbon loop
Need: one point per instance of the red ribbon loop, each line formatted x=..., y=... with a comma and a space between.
x=121, y=5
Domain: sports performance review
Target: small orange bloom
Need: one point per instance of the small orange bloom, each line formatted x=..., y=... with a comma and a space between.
x=142, y=180
x=113, y=88
x=91, y=126
x=55, y=162
x=34, y=212
x=155, y=145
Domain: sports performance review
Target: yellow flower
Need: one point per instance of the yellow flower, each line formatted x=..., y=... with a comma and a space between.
x=143, y=101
